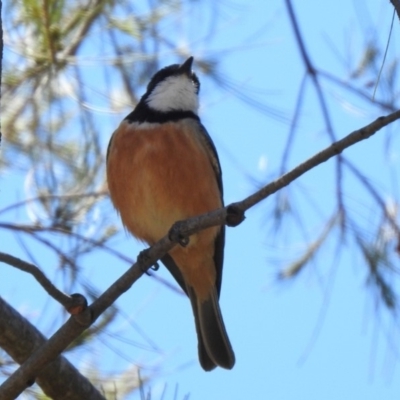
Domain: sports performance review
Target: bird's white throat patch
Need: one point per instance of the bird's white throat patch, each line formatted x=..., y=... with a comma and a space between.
x=174, y=93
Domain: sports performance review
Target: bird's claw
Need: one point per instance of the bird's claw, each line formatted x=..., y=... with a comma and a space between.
x=176, y=236
x=143, y=260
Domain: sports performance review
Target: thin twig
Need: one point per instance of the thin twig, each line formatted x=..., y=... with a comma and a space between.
x=61, y=297
x=363, y=179
x=53, y=197
x=387, y=107
x=293, y=124
x=313, y=73
x=32, y=230
x=384, y=57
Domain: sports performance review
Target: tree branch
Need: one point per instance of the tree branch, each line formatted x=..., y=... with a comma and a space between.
x=62, y=298
x=334, y=149
x=16, y=383
x=313, y=73
x=60, y=379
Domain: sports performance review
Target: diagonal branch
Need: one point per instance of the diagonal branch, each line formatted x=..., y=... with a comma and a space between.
x=60, y=379
x=27, y=372
x=39, y=276
x=374, y=193
x=324, y=155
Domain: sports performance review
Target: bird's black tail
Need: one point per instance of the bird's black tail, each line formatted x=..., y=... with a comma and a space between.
x=214, y=346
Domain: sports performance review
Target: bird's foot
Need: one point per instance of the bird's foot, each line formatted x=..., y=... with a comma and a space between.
x=143, y=261
x=175, y=234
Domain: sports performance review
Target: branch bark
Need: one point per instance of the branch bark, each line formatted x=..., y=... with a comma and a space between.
x=46, y=284
x=59, y=379
x=324, y=155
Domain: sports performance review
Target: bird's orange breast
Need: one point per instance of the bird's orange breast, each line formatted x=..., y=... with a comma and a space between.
x=159, y=174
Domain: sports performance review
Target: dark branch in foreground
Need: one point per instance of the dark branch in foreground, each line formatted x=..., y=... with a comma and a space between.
x=59, y=379
x=31, y=369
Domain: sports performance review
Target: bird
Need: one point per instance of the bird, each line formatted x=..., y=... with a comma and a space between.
x=163, y=167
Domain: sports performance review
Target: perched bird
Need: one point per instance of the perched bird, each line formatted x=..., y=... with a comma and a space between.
x=162, y=167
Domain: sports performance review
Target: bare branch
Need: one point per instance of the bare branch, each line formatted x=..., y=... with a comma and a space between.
x=100, y=244
x=334, y=149
x=385, y=105
x=313, y=73
x=294, y=268
x=374, y=193
x=43, y=198
x=67, y=301
x=60, y=379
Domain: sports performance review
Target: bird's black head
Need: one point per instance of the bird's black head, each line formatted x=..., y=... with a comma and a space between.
x=174, y=70
x=173, y=88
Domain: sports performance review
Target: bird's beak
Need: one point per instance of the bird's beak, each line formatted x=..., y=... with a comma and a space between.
x=186, y=67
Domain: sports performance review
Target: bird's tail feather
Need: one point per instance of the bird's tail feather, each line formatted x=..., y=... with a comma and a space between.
x=214, y=345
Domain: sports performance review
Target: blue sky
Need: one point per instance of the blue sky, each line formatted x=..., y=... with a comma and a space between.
x=319, y=336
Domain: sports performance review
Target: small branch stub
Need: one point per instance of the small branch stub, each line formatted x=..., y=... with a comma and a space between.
x=234, y=215
x=78, y=304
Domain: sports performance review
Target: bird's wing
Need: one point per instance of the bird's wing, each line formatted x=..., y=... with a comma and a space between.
x=220, y=239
